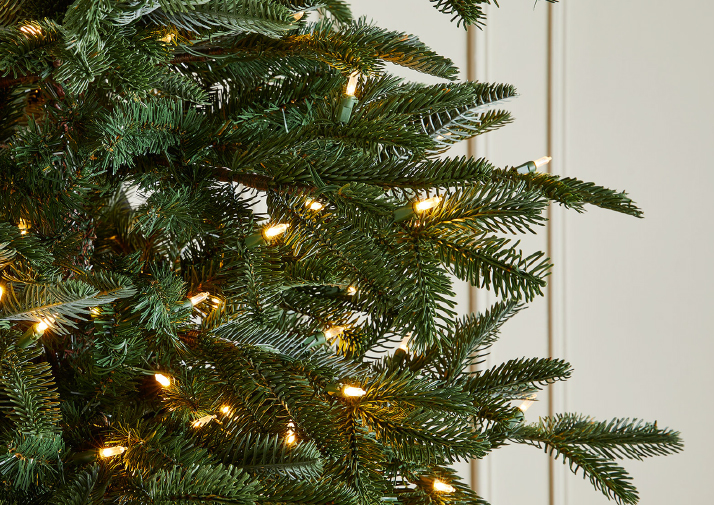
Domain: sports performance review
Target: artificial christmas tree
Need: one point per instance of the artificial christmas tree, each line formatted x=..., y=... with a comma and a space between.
x=186, y=348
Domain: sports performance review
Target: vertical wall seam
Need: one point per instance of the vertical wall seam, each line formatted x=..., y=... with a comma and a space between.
x=549, y=230
x=471, y=153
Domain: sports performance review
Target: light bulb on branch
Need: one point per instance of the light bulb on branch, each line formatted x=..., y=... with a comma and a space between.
x=403, y=348
x=532, y=166
x=30, y=29
x=349, y=100
x=162, y=379
x=333, y=332
x=23, y=226
x=226, y=410
x=266, y=235
x=442, y=487
x=298, y=15
x=417, y=207
x=109, y=452
x=520, y=414
x=290, y=437
x=34, y=332
x=353, y=392
x=351, y=290
x=314, y=205
x=198, y=423
x=196, y=299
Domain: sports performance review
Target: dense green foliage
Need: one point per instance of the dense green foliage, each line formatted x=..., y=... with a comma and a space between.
x=211, y=110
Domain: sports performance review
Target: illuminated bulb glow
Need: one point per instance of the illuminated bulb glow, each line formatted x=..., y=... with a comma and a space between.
x=274, y=231
x=333, y=332
x=108, y=452
x=427, y=204
x=203, y=421
x=167, y=38
x=525, y=405
x=352, y=84
x=354, y=391
x=196, y=299
x=443, y=487
x=404, y=344
x=162, y=379
x=298, y=15
x=30, y=30
x=291, y=438
x=95, y=311
x=542, y=161
x=2, y=291
x=314, y=205
x=226, y=409
x=41, y=327
x=23, y=226
x=352, y=290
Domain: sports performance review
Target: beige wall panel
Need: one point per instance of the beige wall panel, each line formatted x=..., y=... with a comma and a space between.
x=636, y=112
x=512, y=48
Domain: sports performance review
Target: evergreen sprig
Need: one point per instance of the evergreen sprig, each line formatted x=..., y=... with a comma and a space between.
x=147, y=148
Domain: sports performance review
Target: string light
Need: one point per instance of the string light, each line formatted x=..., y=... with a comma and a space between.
x=108, y=452
x=333, y=332
x=314, y=205
x=31, y=30
x=352, y=84
x=408, y=211
x=352, y=290
x=532, y=166
x=196, y=299
x=203, y=421
x=427, y=204
x=226, y=410
x=349, y=100
x=525, y=404
x=268, y=233
x=35, y=331
x=95, y=310
x=276, y=230
x=290, y=438
x=162, y=379
x=404, y=344
x=167, y=38
x=298, y=15
x=2, y=292
x=23, y=226
x=443, y=487
x=353, y=391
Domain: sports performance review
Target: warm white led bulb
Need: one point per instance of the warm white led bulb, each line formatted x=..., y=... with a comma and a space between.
x=30, y=30
x=196, y=299
x=542, y=161
x=41, y=327
x=203, y=421
x=404, y=344
x=354, y=391
x=427, y=204
x=314, y=205
x=298, y=15
x=331, y=333
x=162, y=379
x=352, y=290
x=352, y=84
x=443, y=487
x=108, y=452
x=23, y=226
x=274, y=231
x=527, y=403
x=226, y=410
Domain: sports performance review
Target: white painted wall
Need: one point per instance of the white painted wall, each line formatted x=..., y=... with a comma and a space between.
x=631, y=109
